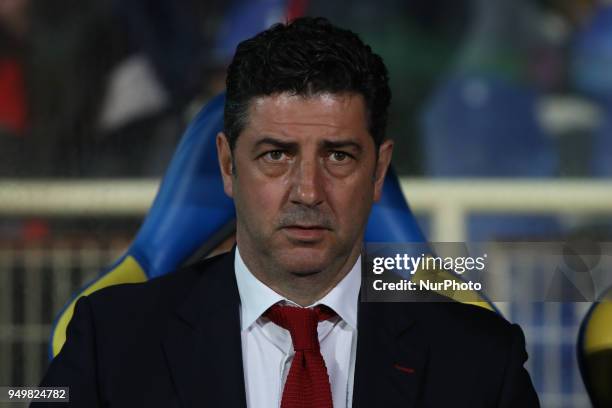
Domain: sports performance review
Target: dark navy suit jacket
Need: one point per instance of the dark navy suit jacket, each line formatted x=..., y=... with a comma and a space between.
x=175, y=341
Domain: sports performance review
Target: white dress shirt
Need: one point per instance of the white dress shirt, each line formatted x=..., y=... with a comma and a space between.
x=267, y=350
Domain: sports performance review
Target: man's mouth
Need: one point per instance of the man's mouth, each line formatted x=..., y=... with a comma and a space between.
x=306, y=233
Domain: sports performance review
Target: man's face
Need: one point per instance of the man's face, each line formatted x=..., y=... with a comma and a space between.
x=305, y=178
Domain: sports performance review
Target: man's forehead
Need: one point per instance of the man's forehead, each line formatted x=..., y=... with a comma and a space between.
x=333, y=113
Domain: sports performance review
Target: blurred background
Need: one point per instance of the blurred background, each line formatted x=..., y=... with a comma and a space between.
x=501, y=115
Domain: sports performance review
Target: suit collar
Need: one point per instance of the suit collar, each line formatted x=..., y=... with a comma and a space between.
x=202, y=342
x=255, y=296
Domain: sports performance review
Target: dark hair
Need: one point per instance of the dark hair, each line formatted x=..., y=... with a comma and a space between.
x=305, y=57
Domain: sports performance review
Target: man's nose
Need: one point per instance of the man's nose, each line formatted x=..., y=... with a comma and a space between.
x=307, y=183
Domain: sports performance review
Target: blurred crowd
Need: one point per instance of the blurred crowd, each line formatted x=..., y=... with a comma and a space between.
x=98, y=88
x=104, y=88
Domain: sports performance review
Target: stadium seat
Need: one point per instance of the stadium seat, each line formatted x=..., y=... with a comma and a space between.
x=595, y=351
x=187, y=214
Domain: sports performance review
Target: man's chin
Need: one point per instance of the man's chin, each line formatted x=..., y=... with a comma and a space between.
x=304, y=260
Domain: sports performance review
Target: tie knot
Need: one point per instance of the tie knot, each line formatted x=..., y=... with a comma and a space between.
x=301, y=323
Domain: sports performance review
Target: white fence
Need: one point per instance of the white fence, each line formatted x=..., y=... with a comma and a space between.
x=447, y=201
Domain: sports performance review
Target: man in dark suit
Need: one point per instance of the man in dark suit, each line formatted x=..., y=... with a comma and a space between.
x=277, y=322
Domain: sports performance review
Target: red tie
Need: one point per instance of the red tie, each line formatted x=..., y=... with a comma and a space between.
x=307, y=384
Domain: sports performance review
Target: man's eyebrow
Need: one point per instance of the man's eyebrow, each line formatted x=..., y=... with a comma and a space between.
x=337, y=144
x=326, y=144
x=274, y=142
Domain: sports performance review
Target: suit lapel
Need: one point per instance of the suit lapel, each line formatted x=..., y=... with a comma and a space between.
x=391, y=356
x=203, y=344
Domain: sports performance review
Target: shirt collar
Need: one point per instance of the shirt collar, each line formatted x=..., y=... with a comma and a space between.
x=256, y=297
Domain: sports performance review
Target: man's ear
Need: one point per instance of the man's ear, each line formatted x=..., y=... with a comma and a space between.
x=224, y=154
x=385, y=151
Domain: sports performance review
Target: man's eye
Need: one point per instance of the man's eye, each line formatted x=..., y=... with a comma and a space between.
x=274, y=155
x=338, y=156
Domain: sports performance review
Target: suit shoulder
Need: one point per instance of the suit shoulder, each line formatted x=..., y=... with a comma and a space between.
x=468, y=323
x=168, y=288
x=433, y=308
